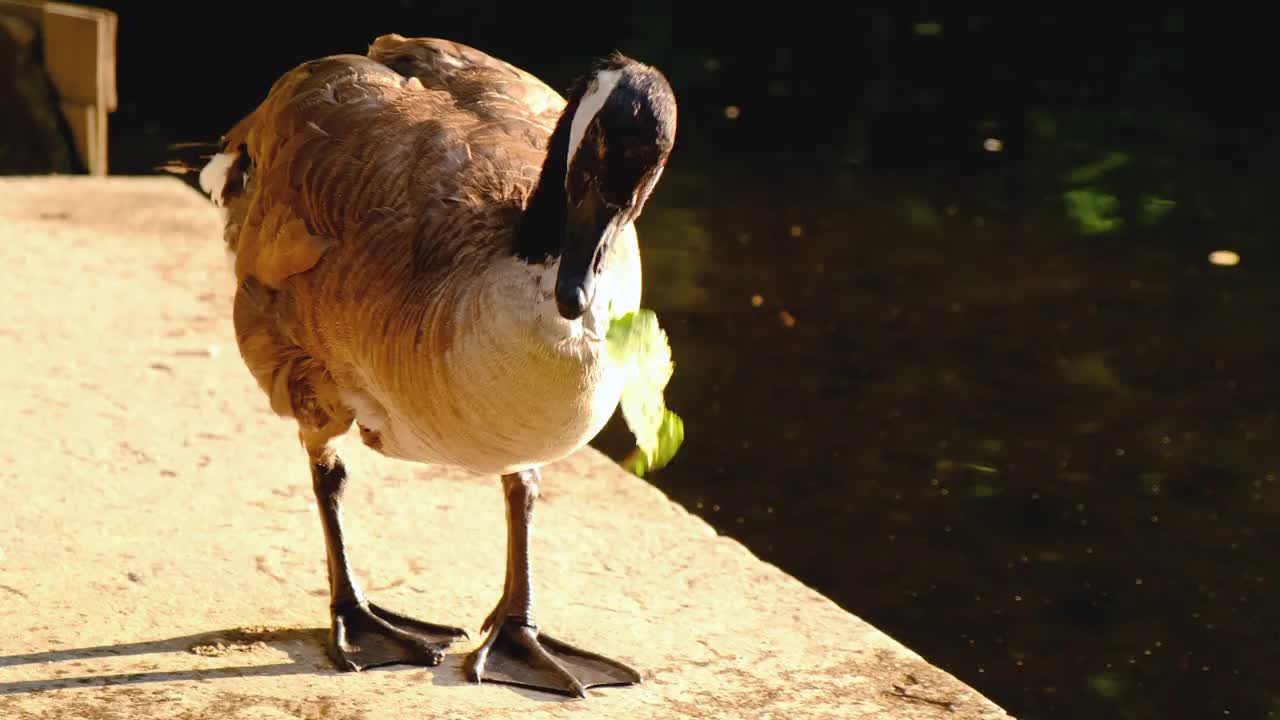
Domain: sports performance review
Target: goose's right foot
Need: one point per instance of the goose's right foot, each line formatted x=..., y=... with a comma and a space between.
x=516, y=653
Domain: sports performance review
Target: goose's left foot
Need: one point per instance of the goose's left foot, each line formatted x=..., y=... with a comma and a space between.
x=516, y=653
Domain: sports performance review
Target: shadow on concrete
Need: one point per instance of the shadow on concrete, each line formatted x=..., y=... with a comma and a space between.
x=304, y=646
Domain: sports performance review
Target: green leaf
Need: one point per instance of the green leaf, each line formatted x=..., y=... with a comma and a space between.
x=1108, y=685
x=1154, y=209
x=670, y=437
x=1093, y=210
x=639, y=347
x=1095, y=170
x=984, y=490
x=927, y=29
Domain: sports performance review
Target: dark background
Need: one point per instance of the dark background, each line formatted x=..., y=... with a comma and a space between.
x=998, y=403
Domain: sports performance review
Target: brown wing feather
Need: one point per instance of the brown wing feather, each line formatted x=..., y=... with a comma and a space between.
x=473, y=76
x=424, y=127
x=397, y=170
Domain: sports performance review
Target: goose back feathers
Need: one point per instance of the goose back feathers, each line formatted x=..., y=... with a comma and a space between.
x=374, y=206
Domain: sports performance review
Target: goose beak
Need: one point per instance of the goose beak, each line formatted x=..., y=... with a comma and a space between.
x=589, y=229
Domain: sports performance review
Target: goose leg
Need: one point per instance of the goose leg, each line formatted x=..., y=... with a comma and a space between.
x=362, y=634
x=516, y=652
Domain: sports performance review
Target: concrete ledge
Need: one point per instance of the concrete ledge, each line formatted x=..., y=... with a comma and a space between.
x=160, y=555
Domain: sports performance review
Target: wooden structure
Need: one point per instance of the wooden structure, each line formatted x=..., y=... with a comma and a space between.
x=79, y=45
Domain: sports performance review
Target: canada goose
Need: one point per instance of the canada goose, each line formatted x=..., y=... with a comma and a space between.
x=429, y=242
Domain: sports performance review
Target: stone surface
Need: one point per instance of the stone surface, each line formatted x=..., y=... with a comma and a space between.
x=160, y=555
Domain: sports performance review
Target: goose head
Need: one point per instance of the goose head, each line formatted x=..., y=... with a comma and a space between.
x=603, y=162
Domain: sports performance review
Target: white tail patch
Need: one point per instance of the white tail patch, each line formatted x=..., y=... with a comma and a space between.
x=588, y=107
x=213, y=177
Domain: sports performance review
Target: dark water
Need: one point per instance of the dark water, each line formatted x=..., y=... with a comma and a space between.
x=949, y=346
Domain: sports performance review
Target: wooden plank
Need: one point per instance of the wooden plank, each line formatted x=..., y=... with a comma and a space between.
x=86, y=124
x=80, y=55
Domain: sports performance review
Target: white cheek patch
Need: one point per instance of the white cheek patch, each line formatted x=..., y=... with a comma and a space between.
x=588, y=107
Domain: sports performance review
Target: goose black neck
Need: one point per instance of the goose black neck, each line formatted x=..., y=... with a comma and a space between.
x=540, y=233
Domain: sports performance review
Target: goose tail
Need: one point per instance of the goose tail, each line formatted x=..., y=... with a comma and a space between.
x=208, y=167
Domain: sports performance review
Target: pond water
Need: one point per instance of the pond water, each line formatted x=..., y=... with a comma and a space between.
x=1047, y=465
x=949, y=344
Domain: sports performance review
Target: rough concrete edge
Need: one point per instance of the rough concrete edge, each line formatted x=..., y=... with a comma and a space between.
x=694, y=521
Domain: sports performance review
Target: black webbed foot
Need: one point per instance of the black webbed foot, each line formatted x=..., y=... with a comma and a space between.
x=516, y=653
x=365, y=635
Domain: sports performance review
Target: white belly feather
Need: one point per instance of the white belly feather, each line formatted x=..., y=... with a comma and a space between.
x=520, y=386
